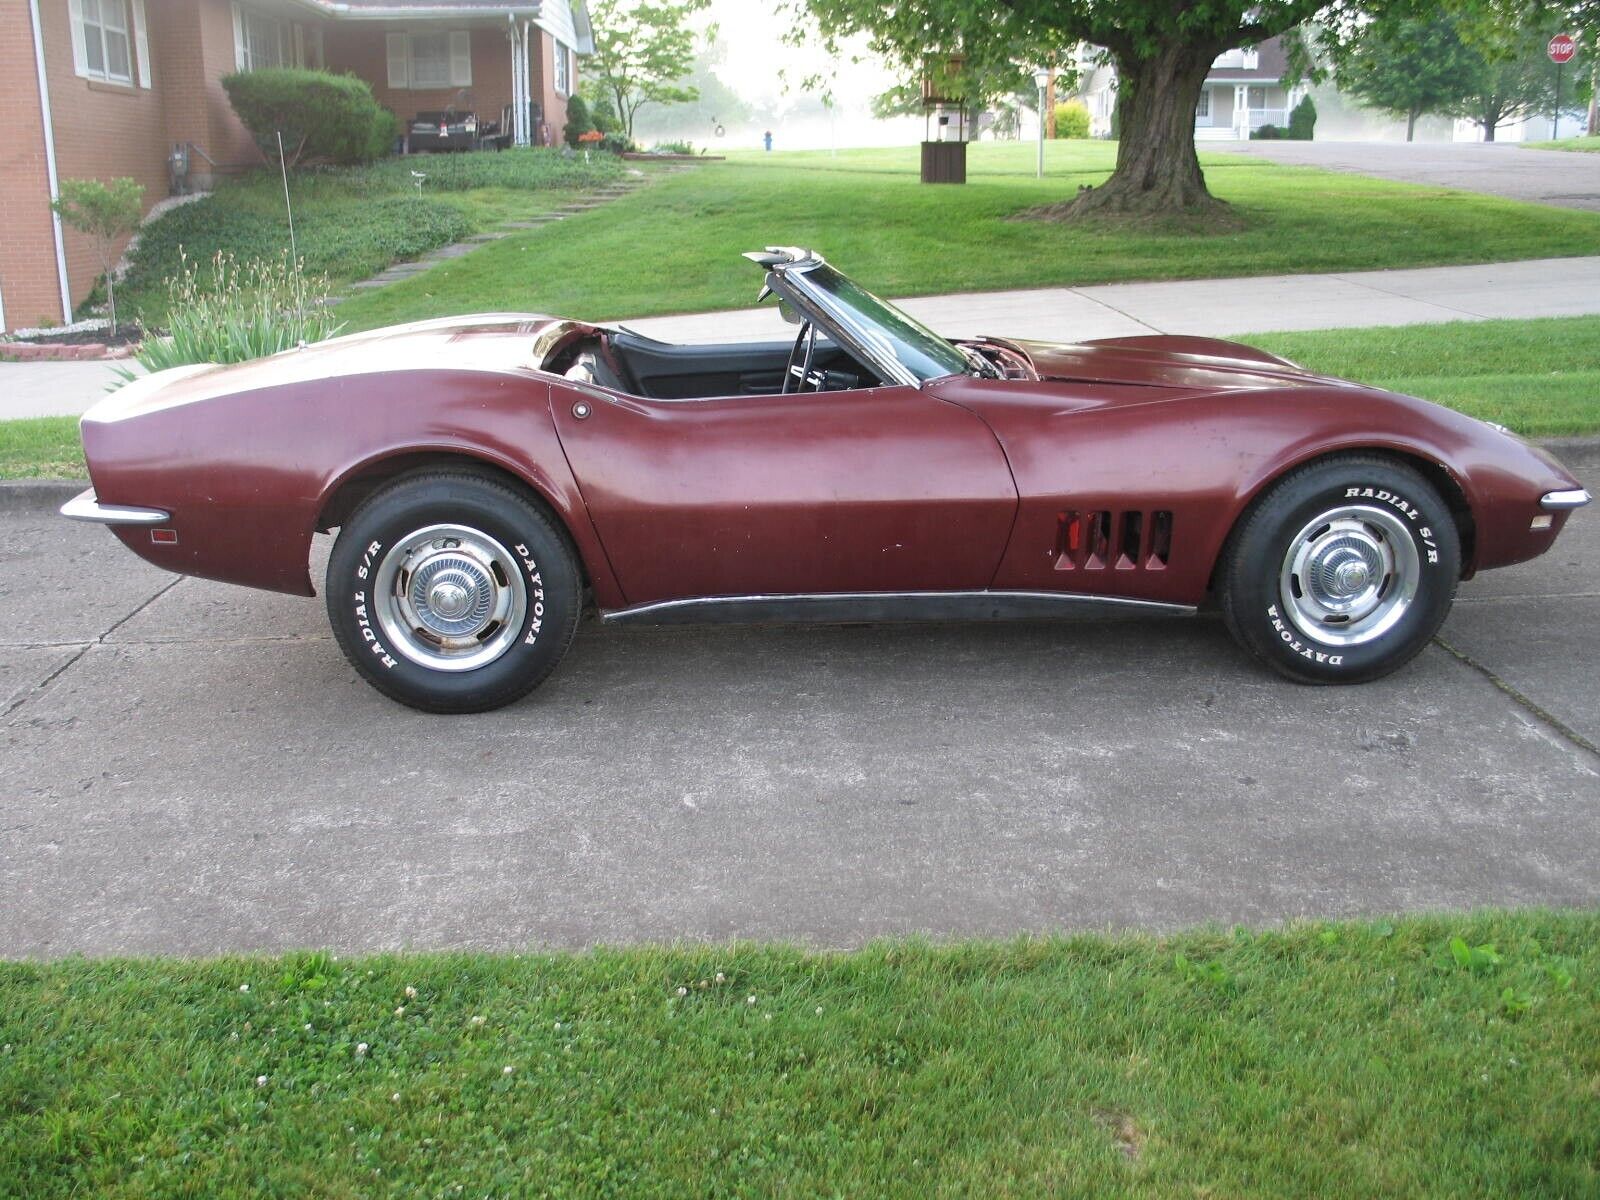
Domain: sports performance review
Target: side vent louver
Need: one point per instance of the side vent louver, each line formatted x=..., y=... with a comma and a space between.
x=1127, y=541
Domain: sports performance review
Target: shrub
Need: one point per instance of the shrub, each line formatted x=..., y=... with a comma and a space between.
x=1267, y=133
x=604, y=115
x=236, y=311
x=104, y=212
x=1303, y=120
x=615, y=143
x=1072, y=119
x=323, y=117
x=578, y=120
x=673, y=148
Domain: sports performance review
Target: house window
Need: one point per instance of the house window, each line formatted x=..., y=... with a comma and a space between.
x=422, y=61
x=1257, y=98
x=101, y=27
x=259, y=41
x=1202, y=110
x=563, y=69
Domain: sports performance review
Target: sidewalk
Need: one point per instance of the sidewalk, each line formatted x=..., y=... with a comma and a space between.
x=1552, y=287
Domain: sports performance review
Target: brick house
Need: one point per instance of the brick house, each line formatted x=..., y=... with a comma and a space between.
x=104, y=88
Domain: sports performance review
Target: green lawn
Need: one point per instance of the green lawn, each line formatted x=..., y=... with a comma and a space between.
x=351, y=222
x=1540, y=378
x=41, y=448
x=675, y=247
x=1358, y=1059
x=1588, y=145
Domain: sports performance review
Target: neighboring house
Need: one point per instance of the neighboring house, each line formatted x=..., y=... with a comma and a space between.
x=104, y=88
x=1243, y=92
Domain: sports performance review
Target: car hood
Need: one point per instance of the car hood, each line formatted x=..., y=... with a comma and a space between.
x=1161, y=361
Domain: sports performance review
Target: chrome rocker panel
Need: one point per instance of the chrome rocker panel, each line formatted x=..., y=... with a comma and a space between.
x=85, y=507
x=872, y=607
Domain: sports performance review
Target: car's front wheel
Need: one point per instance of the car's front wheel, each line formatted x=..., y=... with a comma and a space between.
x=452, y=592
x=1342, y=571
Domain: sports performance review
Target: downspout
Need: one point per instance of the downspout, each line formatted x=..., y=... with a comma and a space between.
x=516, y=80
x=50, y=162
x=527, y=84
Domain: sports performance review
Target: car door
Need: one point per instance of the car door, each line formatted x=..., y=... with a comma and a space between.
x=879, y=490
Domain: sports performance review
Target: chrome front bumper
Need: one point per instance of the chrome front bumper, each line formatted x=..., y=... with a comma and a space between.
x=85, y=507
x=1562, y=501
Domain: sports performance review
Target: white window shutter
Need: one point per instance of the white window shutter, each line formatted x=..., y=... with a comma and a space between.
x=461, y=59
x=399, y=60
x=80, y=60
x=241, y=60
x=141, y=43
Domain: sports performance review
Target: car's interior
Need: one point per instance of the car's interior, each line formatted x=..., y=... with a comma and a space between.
x=636, y=365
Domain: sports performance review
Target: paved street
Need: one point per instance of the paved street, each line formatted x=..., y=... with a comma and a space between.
x=192, y=768
x=1560, y=177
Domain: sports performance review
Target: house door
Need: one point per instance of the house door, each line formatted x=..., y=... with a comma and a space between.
x=874, y=490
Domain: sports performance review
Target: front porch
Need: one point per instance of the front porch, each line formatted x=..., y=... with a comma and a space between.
x=1230, y=111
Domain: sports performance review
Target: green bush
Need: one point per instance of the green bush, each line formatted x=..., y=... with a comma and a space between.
x=323, y=117
x=1303, y=120
x=1267, y=133
x=578, y=120
x=1072, y=119
x=616, y=143
x=104, y=213
x=236, y=311
x=603, y=114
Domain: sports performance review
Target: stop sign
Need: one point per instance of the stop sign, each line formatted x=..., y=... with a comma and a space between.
x=1562, y=48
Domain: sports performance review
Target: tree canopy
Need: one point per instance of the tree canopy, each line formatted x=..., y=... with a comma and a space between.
x=642, y=51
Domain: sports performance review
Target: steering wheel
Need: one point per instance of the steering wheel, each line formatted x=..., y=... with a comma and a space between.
x=794, y=381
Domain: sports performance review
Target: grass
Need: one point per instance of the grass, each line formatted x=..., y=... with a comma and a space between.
x=41, y=448
x=675, y=247
x=351, y=222
x=1353, y=1059
x=1540, y=378
x=1587, y=145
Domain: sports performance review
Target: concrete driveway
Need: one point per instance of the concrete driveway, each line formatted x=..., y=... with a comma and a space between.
x=1560, y=177
x=191, y=768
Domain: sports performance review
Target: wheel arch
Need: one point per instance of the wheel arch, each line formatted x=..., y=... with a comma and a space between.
x=352, y=488
x=1439, y=476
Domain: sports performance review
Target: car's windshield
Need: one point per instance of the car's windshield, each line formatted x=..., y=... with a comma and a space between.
x=882, y=326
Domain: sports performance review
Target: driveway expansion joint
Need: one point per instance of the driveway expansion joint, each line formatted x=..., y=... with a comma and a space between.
x=1521, y=699
x=45, y=683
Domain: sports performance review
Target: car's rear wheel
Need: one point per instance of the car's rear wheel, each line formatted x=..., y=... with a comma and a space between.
x=452, y=592
x=1342, y=571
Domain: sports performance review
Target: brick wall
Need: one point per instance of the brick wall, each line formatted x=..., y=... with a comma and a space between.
x=28, y=282
x=361, y=48
x=544, y=88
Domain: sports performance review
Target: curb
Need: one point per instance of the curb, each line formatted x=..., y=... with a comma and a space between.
x=37, y=495
x=81, y=352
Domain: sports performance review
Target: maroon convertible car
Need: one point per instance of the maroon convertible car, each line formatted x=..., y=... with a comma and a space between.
x=489, y=474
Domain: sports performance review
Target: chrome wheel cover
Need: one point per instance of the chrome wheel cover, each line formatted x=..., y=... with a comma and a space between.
x=1350, y=575
x=450, y=597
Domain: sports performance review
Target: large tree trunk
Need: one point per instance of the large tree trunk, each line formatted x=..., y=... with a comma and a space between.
x=1157, y=172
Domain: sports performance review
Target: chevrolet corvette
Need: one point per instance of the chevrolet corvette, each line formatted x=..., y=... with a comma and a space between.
x=489, y=477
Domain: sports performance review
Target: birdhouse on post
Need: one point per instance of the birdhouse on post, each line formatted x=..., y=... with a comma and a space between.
x=944, y=108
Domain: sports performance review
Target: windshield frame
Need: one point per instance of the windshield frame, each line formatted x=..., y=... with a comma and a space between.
x=875, y=331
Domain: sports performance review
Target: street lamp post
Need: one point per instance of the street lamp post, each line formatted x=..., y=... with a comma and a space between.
x=1041, y=77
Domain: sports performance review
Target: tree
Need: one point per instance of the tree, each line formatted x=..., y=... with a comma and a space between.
x=1162, y=50
x=1408, y=66
x=1514, y=79
x=642, y=49
x=104, y=212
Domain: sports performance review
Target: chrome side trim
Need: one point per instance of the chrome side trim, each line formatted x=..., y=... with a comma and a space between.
x=84, y=507
x=850, y=607
x=1561, y=501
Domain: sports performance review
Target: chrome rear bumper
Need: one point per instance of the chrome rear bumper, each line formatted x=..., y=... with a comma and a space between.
x=85, y=507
